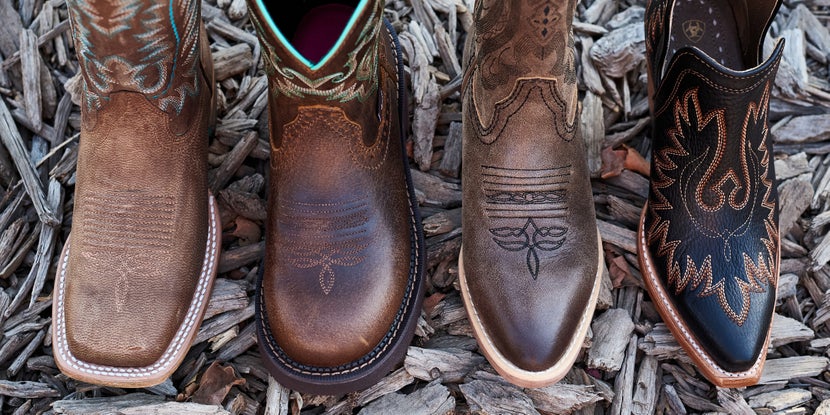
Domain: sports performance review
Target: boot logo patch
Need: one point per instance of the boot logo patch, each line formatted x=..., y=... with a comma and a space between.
x=694, y=30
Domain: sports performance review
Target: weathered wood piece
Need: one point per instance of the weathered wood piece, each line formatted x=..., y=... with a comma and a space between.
x=784, y=369
x=231, y=61
x=624, y=382
x=786, y=330
x=10, y=137
x=795, y=195
x=491, y=397
x=277, y=398
x=806, y=129
x=232, y=162
x=32, y=390
x=646, y=387
x=561, y=398
x=618, y=236
x=781, y=399
x=30, y=67
x=449, y=365
x=435, y=398
x=612, y=332
x=435, y=192
x=451, y=161
x=620, y=51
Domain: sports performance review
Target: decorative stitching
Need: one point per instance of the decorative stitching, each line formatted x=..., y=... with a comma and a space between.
x=322, y=244
x=176, y=345
x=386, y=342
x=510, y=106
x=763, y=74
x=530, y=237
x=687, y=335
x=122, y=220
x=527, y=194
x=691, y=125
x=357, y=78
x=153, y=58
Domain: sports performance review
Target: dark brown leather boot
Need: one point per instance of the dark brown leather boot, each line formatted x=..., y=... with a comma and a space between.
x=136, y=273
x=341, y=290
x=529, y=268
x=708, y=239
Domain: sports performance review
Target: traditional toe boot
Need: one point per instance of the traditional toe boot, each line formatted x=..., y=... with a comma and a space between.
x=135, y=276
x=529, y=268
x=708, y=238
x=341, y=287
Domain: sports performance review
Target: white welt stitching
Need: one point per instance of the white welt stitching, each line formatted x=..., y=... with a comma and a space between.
x=178, y=341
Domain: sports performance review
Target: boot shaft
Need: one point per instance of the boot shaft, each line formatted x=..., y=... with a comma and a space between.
x=145, y=46
x=347, y=72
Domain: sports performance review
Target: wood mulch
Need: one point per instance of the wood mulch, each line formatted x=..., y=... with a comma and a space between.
x=630, y=363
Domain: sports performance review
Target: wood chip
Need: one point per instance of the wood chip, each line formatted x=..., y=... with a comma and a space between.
x=435, y=398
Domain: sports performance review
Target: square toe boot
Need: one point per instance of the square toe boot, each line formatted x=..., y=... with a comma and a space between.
x=136, y=273
x=341, y=286
x=530, y=265
x=708, y=238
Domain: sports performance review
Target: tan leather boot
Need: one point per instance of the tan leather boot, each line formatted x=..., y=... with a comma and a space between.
x=341, y=290
x=529, y=269
x=135, y=275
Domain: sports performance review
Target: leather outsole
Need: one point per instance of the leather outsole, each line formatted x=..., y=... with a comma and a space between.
x=158, y=372
x=509, y=370
x=681, y=332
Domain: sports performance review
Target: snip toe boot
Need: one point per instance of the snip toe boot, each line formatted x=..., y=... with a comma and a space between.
x=341, y=287
x=135, y=276
x=529, y=268
x=708, y=238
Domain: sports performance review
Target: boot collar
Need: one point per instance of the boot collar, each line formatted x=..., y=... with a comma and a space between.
x=347, y=72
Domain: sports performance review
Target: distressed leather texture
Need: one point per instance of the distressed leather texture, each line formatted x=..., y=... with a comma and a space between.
x=341, y=287
x=711, y=223
x=530, y=240
x=140, y=222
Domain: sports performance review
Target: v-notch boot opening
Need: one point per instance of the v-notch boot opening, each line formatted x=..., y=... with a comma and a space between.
x=312, y=30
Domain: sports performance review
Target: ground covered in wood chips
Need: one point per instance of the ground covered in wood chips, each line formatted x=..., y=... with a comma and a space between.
x=630, y=363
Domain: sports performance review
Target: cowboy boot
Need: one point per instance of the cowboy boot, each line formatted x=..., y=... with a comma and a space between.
x=341, y=288
x=529, y=269
x=708, y=238
x=136, y=273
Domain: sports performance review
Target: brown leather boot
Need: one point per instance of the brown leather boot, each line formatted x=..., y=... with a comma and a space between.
x=529, y=270
x=341, y=289
x=136, y=273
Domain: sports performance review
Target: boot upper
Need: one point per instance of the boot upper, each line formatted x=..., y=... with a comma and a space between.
x=530, y=239
x=711, y=226
x=340, y=275
x=140, y=223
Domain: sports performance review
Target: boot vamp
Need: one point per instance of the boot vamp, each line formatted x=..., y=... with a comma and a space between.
x=339, y=246
x=139, y=233
x=530, y=240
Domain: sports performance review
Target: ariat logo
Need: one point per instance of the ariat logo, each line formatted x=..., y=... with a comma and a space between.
x=694, y=30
